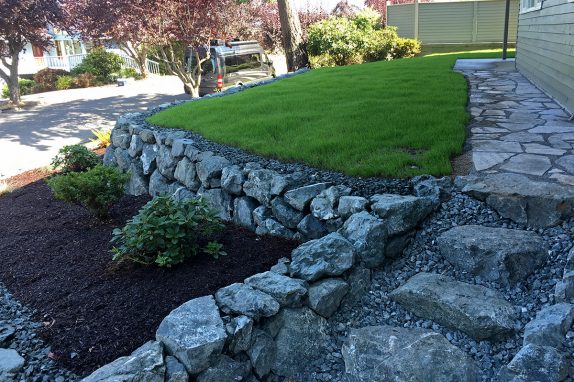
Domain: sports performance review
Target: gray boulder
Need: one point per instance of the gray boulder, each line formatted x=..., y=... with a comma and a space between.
x=10, y=363
x=219, y=200
x=193, y=333
x=110, y=156
x=359, y=281
x=147, y=136
x=536, y=363
x=385, y=353
x=285, y=214
x=301, y=338
x=326, y=295
x=166, y=163
x=400, y=213
x=243, y=208
x=495, y=254
x=179, y=146
x=138, y=184
x=437, y=190
x=369, y=235
x=282, y=266
x=243, y=299
x=564, y=290
x=144, y=365
x=209, y=171
x=300, y=198
x=158, y=184
x=174, y=370
x=331, y=255
x=182, y=193
x=287, y=291
x=120, y=138
x=149, y=158
x=239, y=330
x=263, y=185
x=324, y=205
x=396, y=245
x=225, y=369
x=550, y=326
x=260, y=214
x=311, y=228
x=136, y=146
x=273, y=227
x=349, y=205
x=232, y=180
x=122, y=159
x=262, y=353
x=186, y=174
x=522, y=199
x=478, y=311
x=7, y=333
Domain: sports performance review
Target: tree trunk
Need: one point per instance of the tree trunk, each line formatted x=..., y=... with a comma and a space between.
x=13, y=85
x=293, y=45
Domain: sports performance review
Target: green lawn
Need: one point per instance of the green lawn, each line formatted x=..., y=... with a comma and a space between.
x=392, y=118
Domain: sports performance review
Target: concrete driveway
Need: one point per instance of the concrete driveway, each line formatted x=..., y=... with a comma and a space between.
x=31, y=137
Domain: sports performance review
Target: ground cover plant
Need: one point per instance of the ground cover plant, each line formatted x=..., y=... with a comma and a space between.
x=75, y=158
x=57, y=260
x=389, y=118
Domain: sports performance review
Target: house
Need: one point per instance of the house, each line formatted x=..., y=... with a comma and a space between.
x=545, y=47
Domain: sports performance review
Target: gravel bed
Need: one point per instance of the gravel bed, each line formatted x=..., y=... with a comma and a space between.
x=38, y=367
x=360, y=186
x=422, y=255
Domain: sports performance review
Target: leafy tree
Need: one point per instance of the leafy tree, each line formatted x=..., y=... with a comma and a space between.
x=23, y=22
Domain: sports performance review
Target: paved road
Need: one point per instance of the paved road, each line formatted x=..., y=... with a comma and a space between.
x=30, y=138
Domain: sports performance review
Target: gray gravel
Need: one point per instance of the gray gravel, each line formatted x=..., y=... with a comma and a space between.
x=422, y=255
x=38, y=366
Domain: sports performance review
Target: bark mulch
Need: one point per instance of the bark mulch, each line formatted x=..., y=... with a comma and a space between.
x=55, y=258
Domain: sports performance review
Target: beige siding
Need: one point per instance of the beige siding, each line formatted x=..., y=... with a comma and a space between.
x=545, y=49
x=456, y=22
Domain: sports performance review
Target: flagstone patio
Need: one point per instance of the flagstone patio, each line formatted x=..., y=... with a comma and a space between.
x=515, y=127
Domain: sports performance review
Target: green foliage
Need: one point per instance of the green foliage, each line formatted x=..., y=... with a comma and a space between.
x=103, y=137
x=167, y=232
x=406, y=47
x=65, y=82
x=361, y=38
x=46, y=79
x=85, y=80
x=75, y=158
x=96, y=189
x=130, y=73
x=214, y=249
x=100, y=63
x=26, y=87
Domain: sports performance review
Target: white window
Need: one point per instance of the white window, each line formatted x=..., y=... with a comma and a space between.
x=530, y=5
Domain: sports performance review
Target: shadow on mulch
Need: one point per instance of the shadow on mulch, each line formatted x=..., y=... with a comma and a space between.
x=55, y=258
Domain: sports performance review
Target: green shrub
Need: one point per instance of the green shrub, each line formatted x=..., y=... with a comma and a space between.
x=167, y=232
x=100, y=63
x=129, y=73
x=75, y=158
x=96, y=189
x=102, y=137
x=406, y=47
x=46, y=79
x=360, y=38
x=84, y=80
x=65, y=82
x=26, y=87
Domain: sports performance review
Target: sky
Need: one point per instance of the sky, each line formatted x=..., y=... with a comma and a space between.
x=327, y=4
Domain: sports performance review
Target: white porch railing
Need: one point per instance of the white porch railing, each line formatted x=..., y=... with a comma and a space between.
x=70, y=62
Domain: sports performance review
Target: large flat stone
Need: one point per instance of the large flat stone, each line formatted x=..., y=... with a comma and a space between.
x=522, y=199
x=535, y=148
x=484, y=160
x=495, y=254
x=530, y=164
x=385, y=353
x=193, y=333
x=550, y=326
x=287, y=291
x=536, y=363
x=400, y=213
x=478, y=311
x=243, y=299
x=496, y=146
x=523, y=137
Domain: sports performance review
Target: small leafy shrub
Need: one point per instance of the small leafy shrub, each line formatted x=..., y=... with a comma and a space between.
x=130, y=73
x=84, y=80
x=406, y=47
x=100, y=63
x=75, y=158
x=26, y=87
x=65, y=82
x=359, y=38
x=103, y=137
x=167, y=232
x=47, y=79
x=96, y=189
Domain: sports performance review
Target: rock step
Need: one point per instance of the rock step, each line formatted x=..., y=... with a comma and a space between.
x=386, y=353
x=502, y=255
x=478, y=311
x=522, y=199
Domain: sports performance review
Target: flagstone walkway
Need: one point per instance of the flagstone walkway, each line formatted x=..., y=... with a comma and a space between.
x=515, y=127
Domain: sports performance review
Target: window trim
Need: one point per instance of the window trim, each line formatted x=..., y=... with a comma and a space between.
x=537, y=7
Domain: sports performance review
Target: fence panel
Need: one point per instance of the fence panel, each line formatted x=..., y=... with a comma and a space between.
x=455, y=22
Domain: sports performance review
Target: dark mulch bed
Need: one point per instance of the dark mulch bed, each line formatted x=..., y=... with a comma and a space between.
x=56, y=259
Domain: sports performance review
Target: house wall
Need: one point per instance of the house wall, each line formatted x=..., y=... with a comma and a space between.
x=545, y=49
x=455, y=22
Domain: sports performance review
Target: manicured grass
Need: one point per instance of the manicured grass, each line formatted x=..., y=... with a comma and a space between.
x=394, y=118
